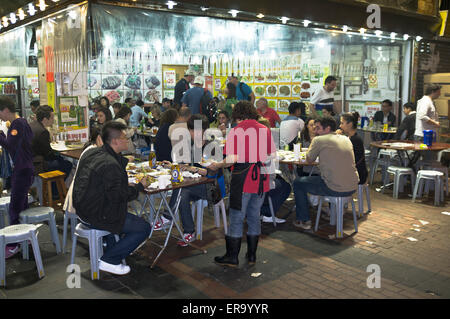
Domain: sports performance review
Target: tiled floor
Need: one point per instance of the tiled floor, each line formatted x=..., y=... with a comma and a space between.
x=408, y=241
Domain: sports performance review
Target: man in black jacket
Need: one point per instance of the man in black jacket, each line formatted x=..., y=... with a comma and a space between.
x=408, y=125
x=385, y=116
x=101, y=193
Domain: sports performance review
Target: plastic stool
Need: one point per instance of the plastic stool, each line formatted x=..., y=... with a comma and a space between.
x=73, y=223
x=21, y=233
x=200, y=205
x=220, y=206
x=384, y=159
x=428, y=175
x=337, y=208
x=398, y=173
x=440, y=168
x=4, y=208
x=94, y=236
x=361, y=189
x=37, y=215
x=47, y=179
x=269, y=199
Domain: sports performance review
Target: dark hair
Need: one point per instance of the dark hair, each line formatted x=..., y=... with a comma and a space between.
x=94, y=132
x=410, y=105
x=329, y=108
x=351, y=118
x=168, y=117
x=35, y=103
x=330, y=79
x=7, y=103
x=327, y=121
x=293, y=107
x=388, y=102
x=231, y=90
x=432, y=88
x=244, y=110
x=305, y=132
x=184, y=112
x=117, y=105
x=139, y=103
x=43, y=112
x=107, y=101
x=198, y=117
x=164, y=100
x=112, y=130
x=224, y=113
x=107, y=113
x=128, y=99
x=123, y=111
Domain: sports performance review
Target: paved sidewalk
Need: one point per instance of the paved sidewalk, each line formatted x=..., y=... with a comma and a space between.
x=408, y=241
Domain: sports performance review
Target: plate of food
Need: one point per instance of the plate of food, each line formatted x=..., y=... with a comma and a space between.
x=305, y=95
x=260, y=90
x=284, y=90
x=296, y=89
x=305, y=85
x=283, y=105
x=271, y=90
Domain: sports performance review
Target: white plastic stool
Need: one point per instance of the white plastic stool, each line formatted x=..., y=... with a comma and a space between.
x=94, y=236
x=73, y=223
x=361, y=189
x=198, y=206
x=21, y=233
x=37, y=215
x=428, y=175
x=384, y=159
x=440, y=168
x=337, y=208
x=4, y=208
x=398, y=173
x=220, y=206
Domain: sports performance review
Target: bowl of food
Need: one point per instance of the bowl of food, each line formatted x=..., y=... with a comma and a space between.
x=271, y=90
x=284, y=90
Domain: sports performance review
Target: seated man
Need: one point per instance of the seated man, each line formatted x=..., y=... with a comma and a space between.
x=385, y=116
x=279, y=192
x=46, y=159
x=338, y=174
x=408, y=125
x=101, y=193
x=291, y=126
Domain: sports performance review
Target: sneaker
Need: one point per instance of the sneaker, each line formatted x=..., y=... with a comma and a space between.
x=304, y=225
x=114, y=269
x=161, y=222
x=11, y=251
x=266, y=219
x=188, y=238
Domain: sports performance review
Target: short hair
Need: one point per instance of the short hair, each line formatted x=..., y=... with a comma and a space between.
x=112, y=130
x=330, y=79
x=43, y=112
x=264, y=100
x=224, y=113
x=431, y=88
x=139, y=103
x=198, y=117
x=327, y=121
x=244, y=110
x=169, y=117
x=410, y=106
x=117, y=105
x=184, y=112
x=164, y=100
x=123, y=111
x=231, y=90
x=351, y=118
x=293, y=107
x=388, y=102
x=35, y=103
x=7, y=103
x=329, y=108
x=128, y=99
x=107, y=113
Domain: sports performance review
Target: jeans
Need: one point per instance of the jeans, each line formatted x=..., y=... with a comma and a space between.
x=251, y=206
x=188, y=195
x=278, y=195
x=62, y=165
x=135, y=230
x=313, y=185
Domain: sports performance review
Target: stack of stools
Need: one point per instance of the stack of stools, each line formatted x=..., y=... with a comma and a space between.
x=430, y=176
x=398, y=173
x=47, y=179
x=21, y=233
x=37, y=215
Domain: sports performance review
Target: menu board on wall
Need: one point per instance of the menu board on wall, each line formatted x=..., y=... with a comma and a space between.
x=169, y=77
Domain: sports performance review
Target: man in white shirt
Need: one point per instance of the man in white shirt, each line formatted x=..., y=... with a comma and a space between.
x=324, y=95
x=427, y=117
x=291, y=125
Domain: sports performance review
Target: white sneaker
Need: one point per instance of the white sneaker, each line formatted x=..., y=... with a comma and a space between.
x=266, y=219
x=114, y=269
x=304, y=225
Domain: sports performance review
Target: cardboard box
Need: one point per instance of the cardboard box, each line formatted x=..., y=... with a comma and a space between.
x=442, y=106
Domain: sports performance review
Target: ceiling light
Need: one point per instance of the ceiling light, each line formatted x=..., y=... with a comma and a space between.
x=393, y=34
x=31, y=9
x=72, y=14
x=42, y=5
x=418, y=38
x=362, y=30
x=260, y=15
x=306, y=23
x=378, y=32
x=171, y=4
x=233, y=13
x=284, y=20
x=344, y=28
x=5, y=22
x=21, y=14
x=12, y=18
x=405, y=37
x=204, y=8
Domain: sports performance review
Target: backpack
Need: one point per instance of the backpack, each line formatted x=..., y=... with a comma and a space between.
x=208, y=106
x=242, y=91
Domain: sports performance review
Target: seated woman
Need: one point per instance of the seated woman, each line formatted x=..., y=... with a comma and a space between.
x=163, y=145
x=155, y=119
x=349, y=123
x=123, y=116
x=103, y=115
x=306, y=136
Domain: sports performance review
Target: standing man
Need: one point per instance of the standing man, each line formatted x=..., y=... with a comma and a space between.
x=182, y=86
x=101, y=194
x=408, y=125
x=18, y=144
x=137, y=113
x=243, y=91
x=262, y=106
x=291, y=125
x=427, y=117
x=324, y=95
x=338, y=174
x=193, y=96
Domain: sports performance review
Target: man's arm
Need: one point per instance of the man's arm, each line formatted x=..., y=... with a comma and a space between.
x=422, y=115
x=313, y=151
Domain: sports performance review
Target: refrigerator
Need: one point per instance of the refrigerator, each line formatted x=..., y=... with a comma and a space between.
x=10, y=86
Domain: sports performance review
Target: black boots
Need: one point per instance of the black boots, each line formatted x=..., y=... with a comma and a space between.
x=252, y=244
x=231, y=258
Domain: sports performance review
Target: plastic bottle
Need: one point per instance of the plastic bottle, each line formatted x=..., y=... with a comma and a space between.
x=142, y=125
x=152, y=157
